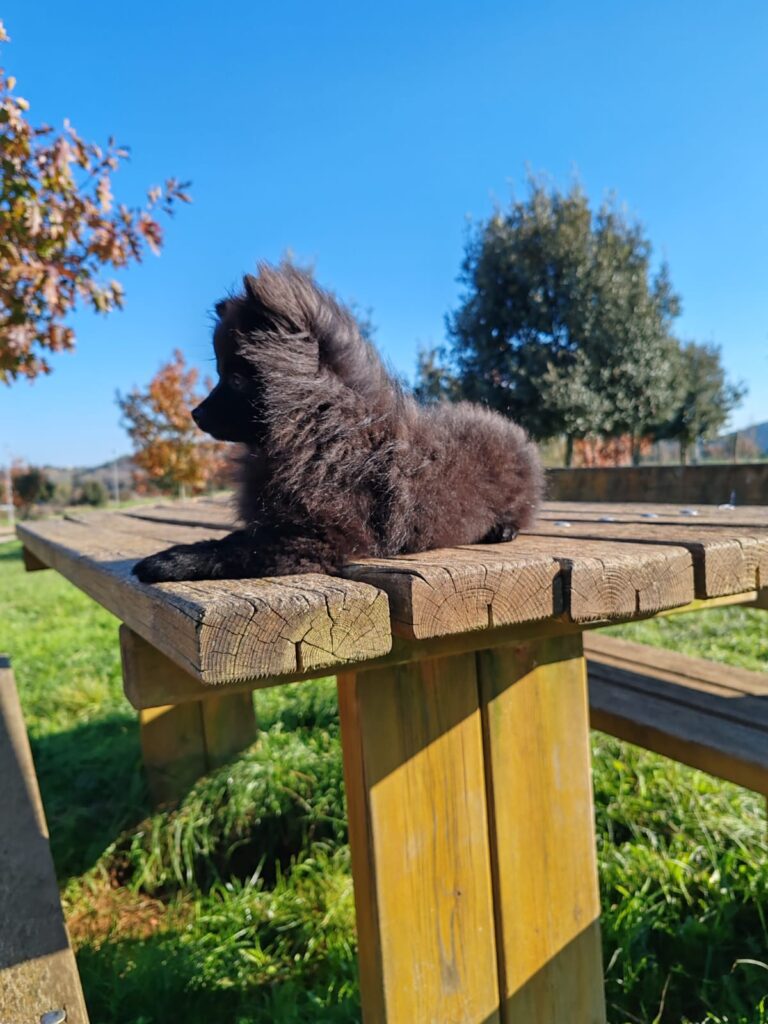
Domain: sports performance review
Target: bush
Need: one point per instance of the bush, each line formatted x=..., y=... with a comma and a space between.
x=92, y=492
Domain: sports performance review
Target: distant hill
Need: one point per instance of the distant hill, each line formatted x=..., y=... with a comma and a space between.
x=752, y=442
x=76, y=476
x=760, y=434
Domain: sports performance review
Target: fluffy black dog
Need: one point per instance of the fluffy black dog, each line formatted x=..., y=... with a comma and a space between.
x=341, y=462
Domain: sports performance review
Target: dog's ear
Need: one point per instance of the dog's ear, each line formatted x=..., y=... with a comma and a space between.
x=251, y=287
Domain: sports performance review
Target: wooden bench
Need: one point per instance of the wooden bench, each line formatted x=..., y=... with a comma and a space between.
x=38, y=976
x=708, y=715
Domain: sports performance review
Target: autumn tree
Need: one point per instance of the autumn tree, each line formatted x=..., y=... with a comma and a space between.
x=168, y=446
x=60, y=229
x=30, y=487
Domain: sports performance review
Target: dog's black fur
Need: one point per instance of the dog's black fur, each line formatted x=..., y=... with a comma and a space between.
x=340, y=461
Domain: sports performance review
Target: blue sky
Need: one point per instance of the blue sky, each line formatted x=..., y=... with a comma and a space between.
x=361, y=137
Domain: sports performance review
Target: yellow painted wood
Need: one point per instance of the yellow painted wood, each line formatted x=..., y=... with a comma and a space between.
x=708, y=604
x=229, y=726
x=173, y=750
x=413, y=760
x=181, y=741
x=536, y=731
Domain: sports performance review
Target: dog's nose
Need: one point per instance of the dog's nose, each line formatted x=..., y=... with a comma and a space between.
x=196, y=416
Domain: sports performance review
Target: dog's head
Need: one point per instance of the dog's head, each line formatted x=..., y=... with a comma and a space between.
x=282, y=321
x=233, y=409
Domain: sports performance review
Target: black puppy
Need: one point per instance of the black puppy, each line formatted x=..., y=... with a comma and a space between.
x=340, y=461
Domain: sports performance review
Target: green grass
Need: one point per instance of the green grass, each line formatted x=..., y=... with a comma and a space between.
x=237, y=905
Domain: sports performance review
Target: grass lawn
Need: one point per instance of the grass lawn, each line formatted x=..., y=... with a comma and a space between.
x=237, y=907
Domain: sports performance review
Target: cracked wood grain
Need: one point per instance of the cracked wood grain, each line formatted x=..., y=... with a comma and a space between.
x=454, y=590
x=726, y=560
x=218, y=631
x=608, y=580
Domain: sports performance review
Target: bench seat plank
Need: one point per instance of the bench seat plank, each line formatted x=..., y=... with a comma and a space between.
x=38, y=973
x=710, y=716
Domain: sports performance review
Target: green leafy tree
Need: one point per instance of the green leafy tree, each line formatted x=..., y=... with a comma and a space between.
x=60, y=228
x=434, y=380
x=92, y=492
x=705, y=397
x=563, y=325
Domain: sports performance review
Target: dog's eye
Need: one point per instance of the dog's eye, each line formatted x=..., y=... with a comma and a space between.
x=237, y=382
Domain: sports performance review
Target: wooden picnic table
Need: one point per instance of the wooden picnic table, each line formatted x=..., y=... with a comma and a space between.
x=463, y=705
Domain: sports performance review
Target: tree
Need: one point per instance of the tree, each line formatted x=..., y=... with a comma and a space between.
x=705, y=397
x=562, y=324
x=168, y=446
x=92, y=492
x=59, y=229
x=434, y=381
x=30, y=487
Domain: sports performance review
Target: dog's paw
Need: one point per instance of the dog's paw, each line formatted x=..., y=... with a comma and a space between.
x=166, y=567
x=501, y=533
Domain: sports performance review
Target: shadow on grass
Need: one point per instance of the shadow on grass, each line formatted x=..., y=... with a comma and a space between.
x=156, y=980
x=93, y=788
x=10, y=550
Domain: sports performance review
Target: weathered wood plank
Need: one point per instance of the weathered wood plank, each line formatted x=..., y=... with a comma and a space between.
x=536, y=733
x=693, y=515
x=608, y=580
x=700, y=675
x=725, y=561
x=118, y=525
x=37, y=967
x=413, y=763
x=459, y=589
x=211, y=727
x=712, y=717
x=216, y=515
x=220, y=631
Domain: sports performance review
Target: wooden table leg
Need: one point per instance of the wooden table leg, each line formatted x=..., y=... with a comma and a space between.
x=181, y=742
x=470, y=814
x=413, y=763
x=173, y=750
x=536, y=728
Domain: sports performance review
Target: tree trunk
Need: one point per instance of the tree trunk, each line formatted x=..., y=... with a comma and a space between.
x=636, y=450
x=568, y=450
x=683, y=453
